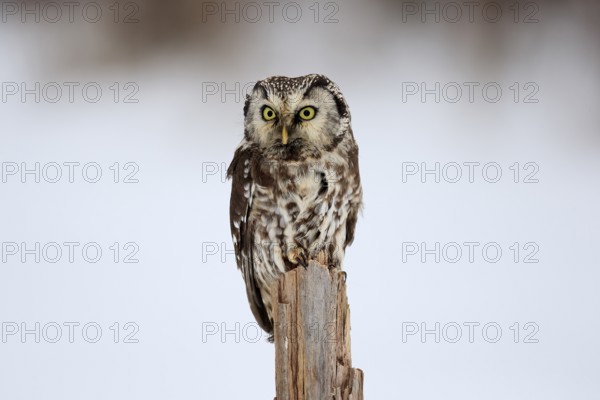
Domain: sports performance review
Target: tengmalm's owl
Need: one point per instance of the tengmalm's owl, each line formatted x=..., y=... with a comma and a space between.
x=296, y=188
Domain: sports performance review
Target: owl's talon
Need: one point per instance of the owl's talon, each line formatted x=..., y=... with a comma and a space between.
x=298, y=256
x=301, y=261
x=345, y=275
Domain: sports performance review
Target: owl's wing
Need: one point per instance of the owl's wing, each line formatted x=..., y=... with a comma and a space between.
x=350, y=226
x=242, y=191
x=356, y=199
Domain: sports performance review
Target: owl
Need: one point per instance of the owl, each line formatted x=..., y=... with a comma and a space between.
x=296, y=189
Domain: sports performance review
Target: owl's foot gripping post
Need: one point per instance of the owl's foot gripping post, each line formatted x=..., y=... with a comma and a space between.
x=297, y=255
x=324, y=258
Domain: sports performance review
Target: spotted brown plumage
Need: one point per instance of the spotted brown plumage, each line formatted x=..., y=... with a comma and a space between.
x=296, y=189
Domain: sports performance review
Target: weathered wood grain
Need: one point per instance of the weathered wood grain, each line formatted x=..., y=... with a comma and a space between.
x=312, y=337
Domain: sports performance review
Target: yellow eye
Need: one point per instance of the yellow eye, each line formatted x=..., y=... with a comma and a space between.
x=307, y=113
x=268, y=114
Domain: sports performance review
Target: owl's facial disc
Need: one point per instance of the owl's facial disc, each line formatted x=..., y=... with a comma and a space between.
x=288, y=116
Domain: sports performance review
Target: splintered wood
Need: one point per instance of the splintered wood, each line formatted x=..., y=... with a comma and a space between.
x=312, y=337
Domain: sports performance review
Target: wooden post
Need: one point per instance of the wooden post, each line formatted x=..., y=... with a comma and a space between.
x=312, y=337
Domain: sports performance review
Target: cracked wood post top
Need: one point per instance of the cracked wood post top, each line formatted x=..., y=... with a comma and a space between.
x=312, y=336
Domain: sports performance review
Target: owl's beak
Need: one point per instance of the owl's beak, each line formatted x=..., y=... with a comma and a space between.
x=284, y=135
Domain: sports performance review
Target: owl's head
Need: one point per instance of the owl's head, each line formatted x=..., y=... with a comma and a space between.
x=285, y=114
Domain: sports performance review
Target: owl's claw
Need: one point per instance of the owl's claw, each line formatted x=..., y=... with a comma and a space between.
x=302, y=262
x=298, y=256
